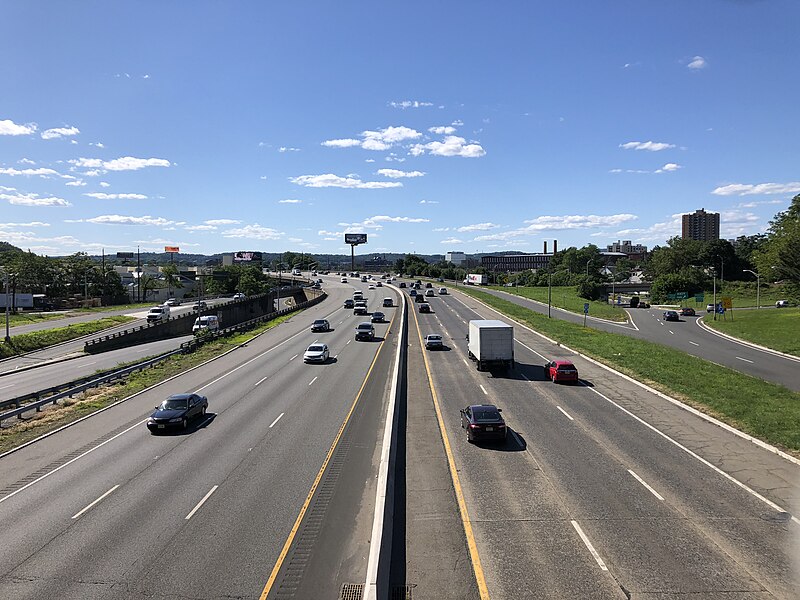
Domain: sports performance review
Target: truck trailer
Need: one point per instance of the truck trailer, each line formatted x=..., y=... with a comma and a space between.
x=476, y=279
x=491, y=344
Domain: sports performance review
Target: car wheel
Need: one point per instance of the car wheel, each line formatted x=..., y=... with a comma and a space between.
x=203, y=412
x=184, y=423
x=554, y=379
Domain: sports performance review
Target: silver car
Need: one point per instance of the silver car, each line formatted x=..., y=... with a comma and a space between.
x=317, y=352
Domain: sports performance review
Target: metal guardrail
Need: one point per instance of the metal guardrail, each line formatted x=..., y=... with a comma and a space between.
x=22, y=403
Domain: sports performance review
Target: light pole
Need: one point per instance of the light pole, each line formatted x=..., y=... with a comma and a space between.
x=8, y=306
x=588, y=262
x=550, y=289
x=758, y=287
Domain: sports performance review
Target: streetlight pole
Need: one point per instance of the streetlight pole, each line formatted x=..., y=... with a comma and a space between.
x=588, y=262
x=715, y=293
x=8, y=306
x=758, y=287
x=549, y=291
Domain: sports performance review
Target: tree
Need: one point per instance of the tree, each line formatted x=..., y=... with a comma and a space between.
x=779, y=257
x=171, y=278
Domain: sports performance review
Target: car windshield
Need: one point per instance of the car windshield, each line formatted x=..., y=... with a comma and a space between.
x=174, y=404
x=434, y=337
x=315, y=348
x=485, y=415
x=319, y=322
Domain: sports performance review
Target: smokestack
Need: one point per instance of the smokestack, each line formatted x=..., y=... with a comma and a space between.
x=545, y=246
x=555, y=246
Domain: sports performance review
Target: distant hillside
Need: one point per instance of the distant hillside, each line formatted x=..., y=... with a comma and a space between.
x=6, y=247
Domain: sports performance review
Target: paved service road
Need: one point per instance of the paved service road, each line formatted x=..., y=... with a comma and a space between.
x=685, y=335
x=604, y=489
x=104, y=509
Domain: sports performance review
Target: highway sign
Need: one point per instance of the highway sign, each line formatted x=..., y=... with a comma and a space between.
x=699, y=297
x=681, y=295
x=355, y=238
x=586, y=308
x=727, y=302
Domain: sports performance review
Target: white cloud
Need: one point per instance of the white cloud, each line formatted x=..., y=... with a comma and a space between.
x=26, y=161
x=344, y=143
x=429, y=202
x=58, y=132
x=127, y=220
x=124, y=163
x=295, y=240
x=370, y=160
x=41, y=171
x=669, y=168
x=384, y=218
x=290, y=201
x=452, y=240
x=103, y=196
x=8, y=127
x=698, y=62
x=91, y=173
x=104, y=184
x=749, y=189
x=331, y=180
x=31, y=224
x=222, y=222
x=639, y=171
x=651, y=146
x=558, y=223
x=754, y=204
x=392, y=158
x=457, y=123
x=97, y=144
x=443, y=130
x=410, y=104
x=76, y=183
x=287, y=149
x=200, y=228
x=331, y=239
x=395, y=174
x=20, y=199
x=451, y=146
x=383, y=139
x=254, y=232
x=441, y=229
x=477, y=227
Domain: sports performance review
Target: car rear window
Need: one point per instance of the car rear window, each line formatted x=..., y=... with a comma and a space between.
x=484, y=415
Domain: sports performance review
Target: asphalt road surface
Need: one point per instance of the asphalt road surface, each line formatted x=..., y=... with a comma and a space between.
x=687, y=336
x=604, y=490
x=104, y=509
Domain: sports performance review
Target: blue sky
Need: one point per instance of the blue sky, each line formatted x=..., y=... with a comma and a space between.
x=430, y=126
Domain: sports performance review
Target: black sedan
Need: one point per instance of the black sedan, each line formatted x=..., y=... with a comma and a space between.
x=671, y=315
x=321, y=325
x=483, y=422
x=176, y=412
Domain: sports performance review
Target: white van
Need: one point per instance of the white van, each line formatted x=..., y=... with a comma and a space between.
x=158, y=314
x=210, y=322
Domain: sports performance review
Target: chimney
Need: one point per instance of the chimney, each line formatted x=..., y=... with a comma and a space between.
x=555, y=246
x=545, y=246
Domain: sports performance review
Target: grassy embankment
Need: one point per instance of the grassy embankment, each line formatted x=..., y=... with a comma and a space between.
x=764, y=410
x=36, y=340
x=16, y=432
x=567, y=298
x=778, y=329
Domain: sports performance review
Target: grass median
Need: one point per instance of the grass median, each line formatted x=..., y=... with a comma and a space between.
x=776, y=328
x=36, y=340
x=15, y=432
x=567, y=298
x=765, y=410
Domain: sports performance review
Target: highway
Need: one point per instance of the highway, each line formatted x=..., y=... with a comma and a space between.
x=687, y=336
x=605, y=490
x=104, y=509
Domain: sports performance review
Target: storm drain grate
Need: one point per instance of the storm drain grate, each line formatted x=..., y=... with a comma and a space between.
x=352, y=591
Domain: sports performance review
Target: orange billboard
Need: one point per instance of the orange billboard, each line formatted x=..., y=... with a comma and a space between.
x=171, y=249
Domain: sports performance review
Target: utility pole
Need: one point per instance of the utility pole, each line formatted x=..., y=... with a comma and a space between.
x=8, y=306
x=138, y=275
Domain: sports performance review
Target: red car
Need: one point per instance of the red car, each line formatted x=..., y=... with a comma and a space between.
x=561, y=370
x=687, y=311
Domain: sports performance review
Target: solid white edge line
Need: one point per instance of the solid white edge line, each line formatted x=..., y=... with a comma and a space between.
x=483, y=389
x=679, y=404
x=312, y=381
x=384, y=481
x=565, y=413
x=276, y=420
x=199, y=504
x=670, y=399
x=79, y=513
x=645, y=484
x=69, y=462
x=701, y=324
x=260, y=381
x=589, y=546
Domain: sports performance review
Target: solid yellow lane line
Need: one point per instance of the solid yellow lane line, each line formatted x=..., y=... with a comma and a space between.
x=299, y=520
x=462, y=505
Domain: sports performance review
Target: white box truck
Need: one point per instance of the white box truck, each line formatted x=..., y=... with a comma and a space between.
x=491, y=344
x=476, y=279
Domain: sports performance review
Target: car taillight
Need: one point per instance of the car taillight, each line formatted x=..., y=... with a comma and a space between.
x=474, y=426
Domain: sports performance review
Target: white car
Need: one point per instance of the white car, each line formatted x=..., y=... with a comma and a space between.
x=433, y=341
x=210, y=322
x=781, y=304
x=317, y=352
x=371, y=287
x=238, y=296
x=442, y=291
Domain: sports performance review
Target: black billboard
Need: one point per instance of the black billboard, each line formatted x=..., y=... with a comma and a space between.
x=247, y=257
x=355, y=238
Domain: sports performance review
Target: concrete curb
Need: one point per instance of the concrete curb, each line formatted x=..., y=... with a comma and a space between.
x=53, y=361
x=377, y=580
x=701, y=324
x=678, y=403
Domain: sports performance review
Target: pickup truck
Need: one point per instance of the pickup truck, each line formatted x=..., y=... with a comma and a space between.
x=158, y=314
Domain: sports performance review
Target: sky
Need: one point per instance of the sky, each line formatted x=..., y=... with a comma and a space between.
x=431, y=126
